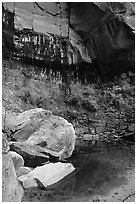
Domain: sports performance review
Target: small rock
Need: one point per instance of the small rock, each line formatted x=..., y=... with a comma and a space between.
x=87, y=137
x=100, y=129
x=131, y=128
x=46, y=175
x=17, y=159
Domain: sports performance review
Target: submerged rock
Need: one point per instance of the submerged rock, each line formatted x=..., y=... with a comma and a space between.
x=46, y=175
x=17, y=160
x=40, y=127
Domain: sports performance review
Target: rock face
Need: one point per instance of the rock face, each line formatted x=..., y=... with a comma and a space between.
x=12, y=190
x=17, y=160
x=46, y=175
x=40, y=127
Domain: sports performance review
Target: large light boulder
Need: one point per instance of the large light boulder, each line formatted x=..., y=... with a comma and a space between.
x=12, y=190
x=46, y=175
x=40, y=127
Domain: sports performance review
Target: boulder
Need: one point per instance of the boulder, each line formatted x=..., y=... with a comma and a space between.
x=17, y=159
x=40, y=127
x=46, y=175
x=26, y=123
x=12, y=190
x=23, y=170
x=31, y=154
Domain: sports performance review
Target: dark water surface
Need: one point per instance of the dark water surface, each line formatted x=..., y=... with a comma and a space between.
x=96, y=175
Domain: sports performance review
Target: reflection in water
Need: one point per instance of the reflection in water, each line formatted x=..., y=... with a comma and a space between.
x=91, y=177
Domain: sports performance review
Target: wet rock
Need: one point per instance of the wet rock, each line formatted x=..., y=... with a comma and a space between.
x=46, y=175
x=132, y=128
x=87, y=137
x=12, y=190
x=40, y=127
x=31, y=154
x=17, y=159
x=23, y=170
